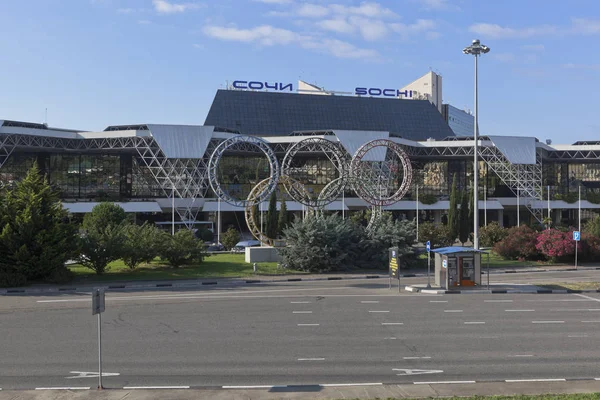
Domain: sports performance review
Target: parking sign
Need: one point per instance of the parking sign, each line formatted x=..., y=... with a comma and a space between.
x=428, y=245
x=576, y=235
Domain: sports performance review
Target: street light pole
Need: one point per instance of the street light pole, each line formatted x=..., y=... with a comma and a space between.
x=476, y=49
x=417, y=206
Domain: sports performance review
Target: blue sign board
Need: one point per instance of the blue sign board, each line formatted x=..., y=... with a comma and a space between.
x=362, y=91
x=576, y=235
x=428, y=245
x=445, y=264
x=256, y=85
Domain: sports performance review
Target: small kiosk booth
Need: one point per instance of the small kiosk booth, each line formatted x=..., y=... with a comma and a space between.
x=457, y=266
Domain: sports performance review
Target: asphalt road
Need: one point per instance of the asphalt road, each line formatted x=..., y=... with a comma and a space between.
x=325, y=332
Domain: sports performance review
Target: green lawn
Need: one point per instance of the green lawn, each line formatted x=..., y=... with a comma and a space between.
x=215, y=266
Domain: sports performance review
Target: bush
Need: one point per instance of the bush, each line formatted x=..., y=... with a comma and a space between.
x=555, y=244
x=205, y=235
x=12, y=279
x=590, y=247
x=140, y=244
x=593, y=226
x=182, y=248
x=387, y=233
x=230, y=238
x=61, y=276
x=104, y=215
x=428, y=198
x=519, y=243
x=491, y=234
x=323, y=244
x=438, y=235
x=98, y=249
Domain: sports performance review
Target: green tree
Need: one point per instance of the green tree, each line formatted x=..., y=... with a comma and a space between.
x=464, y=227
x=182, y=248
x=491, y=234
x=387, y=233
x=104, y=215
x=453, y=213
x=283, y=217
x=272, y=217
x=593, y=226
x=230, y=238
x=36, y=237
x=100, y=248
x=437, y=235
x=140, y=244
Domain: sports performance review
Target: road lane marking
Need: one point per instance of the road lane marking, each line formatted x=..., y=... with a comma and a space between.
x=81, y=374
x=408, y=371
x=497, y=301
x=529, y=310
x=390, y=338
x=377, y=311
x=575, y=309
x=64, y=388
x=154, y=387
x=489, y=337
x=254, y=387
x=308, y=324
x=311, y=359
x=442, y=382
x=453, y=310
x=587, y=297
x=416, y=358
x=350, y=384
x=299, y=302
x=438, y=301
x=578, y=336
x=392, y=323
x=301, y=312
x=522, y=355
x=474, y=323
x=547, y=322
x=535, y=380
x=370, y=301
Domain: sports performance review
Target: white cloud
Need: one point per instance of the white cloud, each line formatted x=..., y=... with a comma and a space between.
x=267, y=35
x=125, y=10
x=504, y=57
x=278, y=14
x=365, y=9
x=339, y=25
x=578, y=26
x=422, y=25
x=198, y=46
x=312, y=11
x=436, y=4
x=164, y=7
x=585, y=26
x=594, y=67
x=370, y=29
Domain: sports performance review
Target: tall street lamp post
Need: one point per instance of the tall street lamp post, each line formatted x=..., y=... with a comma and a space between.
x=476, y=49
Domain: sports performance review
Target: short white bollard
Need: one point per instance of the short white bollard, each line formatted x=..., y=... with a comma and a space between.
x=254, y=265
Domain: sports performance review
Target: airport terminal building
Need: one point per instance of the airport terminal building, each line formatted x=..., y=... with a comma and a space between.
x=153, y=170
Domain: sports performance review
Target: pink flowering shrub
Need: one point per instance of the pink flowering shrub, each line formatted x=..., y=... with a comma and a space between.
x=590, y=247
x=556, y=244
x=519, y=243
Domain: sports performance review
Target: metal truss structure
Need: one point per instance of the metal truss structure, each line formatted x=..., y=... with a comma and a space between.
x=372, y=180
x=243, y=144
x=334, y=153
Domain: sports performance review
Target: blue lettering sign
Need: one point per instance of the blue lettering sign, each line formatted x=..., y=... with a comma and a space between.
x=362, y=91
x=240, y=84
x=256, y=85
x=282, y=88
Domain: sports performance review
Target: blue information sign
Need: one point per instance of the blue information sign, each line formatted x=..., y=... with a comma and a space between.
x=576, y=235
x=428, y=245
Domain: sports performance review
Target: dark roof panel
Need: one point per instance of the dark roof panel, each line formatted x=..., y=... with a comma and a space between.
x=279, y=114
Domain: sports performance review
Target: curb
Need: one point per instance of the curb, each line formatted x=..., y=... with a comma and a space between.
x=498, y=291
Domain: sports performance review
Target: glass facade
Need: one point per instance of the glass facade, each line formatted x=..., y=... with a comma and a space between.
x=461, y=122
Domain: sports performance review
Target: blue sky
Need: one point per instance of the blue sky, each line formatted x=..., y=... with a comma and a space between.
x=94, y=63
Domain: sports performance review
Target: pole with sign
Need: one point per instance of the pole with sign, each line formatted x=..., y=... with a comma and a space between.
x=428, y=246
x=576, y=238
x=98, y=308
x=394, y=266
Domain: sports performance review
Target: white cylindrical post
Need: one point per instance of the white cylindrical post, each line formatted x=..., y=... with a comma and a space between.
x=518, y=207
x=100, y=351
x=476, y=169
x=343, y=206
x=428, y=269
x=173, y=210
x=261, y=223
x=579, y=212
x=417, y=208
x=485, y=205
x=219, y=220
x=549, y=220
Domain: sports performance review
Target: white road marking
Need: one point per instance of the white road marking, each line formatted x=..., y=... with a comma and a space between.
x=547, y=322
x=438, y=301
x=489, y=337
x=311, y=359
x=301, y=312
x=587, y=297
x=497, y=301
x=406, y=371
x=578, y=336
x=453, y=310
x=370, y=301
x=81, y=374
x=519, y=310
x=64, y=388
x=442, y=382
x=535, y=380
x=545, y=300
x=308, y=324
x=597, y=379
x=474, y=323
x=589, y=321
x=254, y=387
x=575, y=309
x=376, y=311
x=154, y=387
x=522, y=355
x=299, y=302
x=350, y=384
x=390, y=338
x=392, y=323
x=416, y=358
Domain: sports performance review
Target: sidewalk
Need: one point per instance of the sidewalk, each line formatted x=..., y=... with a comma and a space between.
x=494, y=288
x=349, y=391
x=187, y=283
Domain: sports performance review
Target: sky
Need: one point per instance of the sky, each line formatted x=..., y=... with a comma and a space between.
x=94, y=63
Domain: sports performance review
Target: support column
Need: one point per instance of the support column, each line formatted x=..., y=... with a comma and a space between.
x=501, y=218
x=437, y=217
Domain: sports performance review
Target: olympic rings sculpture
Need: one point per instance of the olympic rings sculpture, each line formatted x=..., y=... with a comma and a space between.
x=245, y=143
x=333, y=152
x=370, y=180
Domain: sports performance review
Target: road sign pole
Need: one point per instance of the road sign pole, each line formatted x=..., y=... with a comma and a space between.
x=100, y=351
x=576, y=243
x=428, y=269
